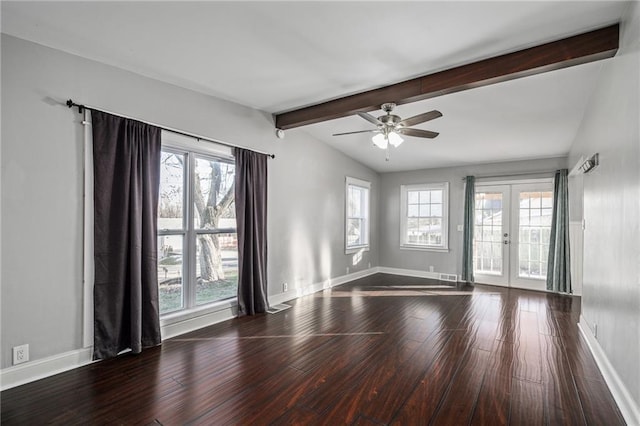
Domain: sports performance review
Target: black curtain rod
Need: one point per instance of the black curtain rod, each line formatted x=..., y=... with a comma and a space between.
x=81, y=108
x=508, y=175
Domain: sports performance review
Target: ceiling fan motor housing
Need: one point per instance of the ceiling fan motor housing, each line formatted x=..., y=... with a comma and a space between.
x=390, y=120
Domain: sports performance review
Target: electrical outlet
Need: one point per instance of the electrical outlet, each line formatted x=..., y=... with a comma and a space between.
x=20, y=354
x=285, y=287
x=431, y=268
x=369, y=265
x=347, y=269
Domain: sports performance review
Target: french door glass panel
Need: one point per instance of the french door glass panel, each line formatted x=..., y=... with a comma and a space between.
x=490, y=226
x=511, y=234
x=533, y=208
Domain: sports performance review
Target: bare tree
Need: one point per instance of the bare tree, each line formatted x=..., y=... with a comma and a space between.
x=219, y=199
x=213, y=194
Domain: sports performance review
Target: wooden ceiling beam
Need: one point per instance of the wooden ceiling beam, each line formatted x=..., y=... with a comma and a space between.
x=580, y=49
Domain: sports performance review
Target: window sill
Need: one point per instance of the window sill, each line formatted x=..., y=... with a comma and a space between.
x=187, y=314
x=352, y=250
x=422, y=248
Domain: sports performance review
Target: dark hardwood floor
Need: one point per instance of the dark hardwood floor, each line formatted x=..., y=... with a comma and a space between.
x=381, y=350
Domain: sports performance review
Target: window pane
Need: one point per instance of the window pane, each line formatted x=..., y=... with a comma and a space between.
x=477, y=231
x=216, y=267
x=546, y=217
x=496, y=218
x=534, y=229
x=213, y=194
x=412, y=197
x=170, y=272
x=436, y=210
x=425, y=211
x=354, y=232
x=535, y=269
x=436, y=197
x=355, y=201
x=412, y=211
x=424, y=197
x=488, y=237
x=357, y=216
x=171, y=200
x=479, y=217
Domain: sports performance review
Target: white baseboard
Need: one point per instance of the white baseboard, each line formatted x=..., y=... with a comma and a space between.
x=628, y=407
x=171, y=329
x=35, y=370
x=409, y=272
x=329, y=283
x=39, y=369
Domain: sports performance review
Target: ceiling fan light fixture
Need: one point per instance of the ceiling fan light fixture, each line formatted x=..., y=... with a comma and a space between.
x=395, y=139
x=380, y=140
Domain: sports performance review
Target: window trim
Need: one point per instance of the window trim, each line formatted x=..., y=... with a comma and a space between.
x=404, y=190
x=351, y=181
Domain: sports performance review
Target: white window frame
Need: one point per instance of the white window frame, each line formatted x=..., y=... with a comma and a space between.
x=404, y=190
x=362, y=184
x=178, y=144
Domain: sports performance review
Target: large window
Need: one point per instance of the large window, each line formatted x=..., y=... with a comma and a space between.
x=197, y=244
x=424, y=216
x=357, y=215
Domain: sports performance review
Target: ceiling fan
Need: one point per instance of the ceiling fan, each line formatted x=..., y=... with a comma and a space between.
x=389, y=127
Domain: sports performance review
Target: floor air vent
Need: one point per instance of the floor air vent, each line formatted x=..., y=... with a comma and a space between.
x=278, y=308
x=449, y=277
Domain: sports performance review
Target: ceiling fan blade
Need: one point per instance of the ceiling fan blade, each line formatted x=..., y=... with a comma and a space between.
x=419, y=133
x=359, y=131
x=420, y=118
x=370, y=118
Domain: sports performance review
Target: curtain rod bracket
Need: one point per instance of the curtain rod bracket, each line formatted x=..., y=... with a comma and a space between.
x=71, y=104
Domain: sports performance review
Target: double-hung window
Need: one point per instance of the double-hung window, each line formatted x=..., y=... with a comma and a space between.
x=425, y=216
x=197, y=244
x=357, y=215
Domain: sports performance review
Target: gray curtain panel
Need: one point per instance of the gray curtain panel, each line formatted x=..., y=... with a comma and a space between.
x=251, y=215
x=126, y=164
x=467, y=237
x=558, y=269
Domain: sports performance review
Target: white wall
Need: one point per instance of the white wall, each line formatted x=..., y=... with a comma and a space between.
x=450, y=262
x=611, y=275
x=42, y=187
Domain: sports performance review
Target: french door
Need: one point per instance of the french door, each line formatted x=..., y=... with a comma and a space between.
x=511, y=234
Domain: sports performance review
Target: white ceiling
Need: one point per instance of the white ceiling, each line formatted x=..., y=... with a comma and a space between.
x=278, y=56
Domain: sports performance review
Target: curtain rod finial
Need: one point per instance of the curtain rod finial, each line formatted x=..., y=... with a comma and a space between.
x=71, y=104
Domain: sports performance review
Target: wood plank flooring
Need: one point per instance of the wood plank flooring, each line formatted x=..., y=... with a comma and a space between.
x=380, y=350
